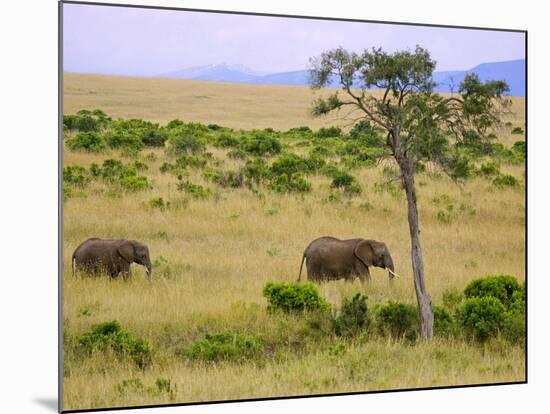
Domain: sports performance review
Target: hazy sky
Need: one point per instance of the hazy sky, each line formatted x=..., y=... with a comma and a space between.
x=133, y=41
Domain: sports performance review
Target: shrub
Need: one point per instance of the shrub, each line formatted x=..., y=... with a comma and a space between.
x=501, y=287
x=506, y=180
x=489, y=169
x=322, y=151
x=353, y=316
x=520, y=149
x=123, y=139
x=110, y=335
x=517, y=131
x=194, y=190
x=285, y=183
x=226, y=346
x=443, y=322
x=86, y=121
x=289, y=164
x=233, y=179
x=514, y=324
x=299, y=132
x=368, y=135
x=260, y=144
x=255, y=171
x=88, y=141
x=134, y=183
x=294, y=297
x=117, y=173
x=158, y=202
x=481, y=317
x=226, y=140
x=329, y=132
x=186, y=138
x=76, y=175
x=346, y=181
x=400, y=320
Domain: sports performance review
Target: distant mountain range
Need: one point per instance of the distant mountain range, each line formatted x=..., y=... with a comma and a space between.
x=513, y=72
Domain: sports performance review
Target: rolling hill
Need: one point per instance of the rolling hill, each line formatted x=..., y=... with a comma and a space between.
x=513, y=72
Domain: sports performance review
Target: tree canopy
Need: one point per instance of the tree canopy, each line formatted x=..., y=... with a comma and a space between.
x=421, y=125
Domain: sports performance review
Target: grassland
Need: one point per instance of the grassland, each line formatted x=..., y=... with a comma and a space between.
x=218, y=253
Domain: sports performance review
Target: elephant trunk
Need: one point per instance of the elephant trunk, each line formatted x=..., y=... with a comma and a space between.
x=148, y=269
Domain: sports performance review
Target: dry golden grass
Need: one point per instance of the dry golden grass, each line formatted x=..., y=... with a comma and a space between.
x=222, y=251
x=229, y=104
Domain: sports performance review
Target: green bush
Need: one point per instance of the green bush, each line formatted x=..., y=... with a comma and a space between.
x=134, y=133
x=115, y=172
x=399, y=320
x=260, y=144
x=501, y=287
x=342, y=179
x=86, y=121
x=514, y=324
x=158, y=202
x=368, y=135
x=489, y=169
x=232, y=179
x=110, y=335
x=194, y=190
x=322, y=151
x=481, y=317
x=294, y=297
x=443, y=322
x=285, y=183
x=88, y=141
x=356, y=153
x=186, y=138
x=353, y=316
x=506, y=180
x=226, y=346
x=289, y=164
x=520, y=149
x=517, y=131
x=76, y=175
x=329, y=132
x=226, y=140
x=255, y=171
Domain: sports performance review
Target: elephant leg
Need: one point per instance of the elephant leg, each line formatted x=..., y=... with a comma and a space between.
x=365, y=275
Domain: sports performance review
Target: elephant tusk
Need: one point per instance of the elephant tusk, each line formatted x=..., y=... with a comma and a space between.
x=393, y=273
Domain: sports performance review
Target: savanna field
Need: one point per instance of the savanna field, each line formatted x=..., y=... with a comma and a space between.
x=227, y=205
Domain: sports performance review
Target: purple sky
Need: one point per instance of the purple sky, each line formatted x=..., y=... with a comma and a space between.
x=133, y=41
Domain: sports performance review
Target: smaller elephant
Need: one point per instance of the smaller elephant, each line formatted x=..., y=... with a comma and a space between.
x=329, y=258
x=111, y=257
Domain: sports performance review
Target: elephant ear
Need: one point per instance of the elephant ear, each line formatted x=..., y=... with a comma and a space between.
x=126, y=250
x=364, y=251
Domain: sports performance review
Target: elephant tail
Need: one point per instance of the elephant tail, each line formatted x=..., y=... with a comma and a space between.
x=301, y=265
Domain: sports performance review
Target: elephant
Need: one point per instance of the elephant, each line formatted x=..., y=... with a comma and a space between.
x=329, y=258
x=110, y=256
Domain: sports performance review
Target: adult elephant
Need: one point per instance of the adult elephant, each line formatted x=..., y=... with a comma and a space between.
x=329, y=258
x=110, y=256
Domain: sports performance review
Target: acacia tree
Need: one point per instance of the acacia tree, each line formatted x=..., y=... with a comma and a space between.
x=420, y=125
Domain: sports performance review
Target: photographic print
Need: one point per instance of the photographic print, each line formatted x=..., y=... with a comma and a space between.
x=263, y=206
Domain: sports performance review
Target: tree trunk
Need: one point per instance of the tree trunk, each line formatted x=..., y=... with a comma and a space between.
x=422, y=296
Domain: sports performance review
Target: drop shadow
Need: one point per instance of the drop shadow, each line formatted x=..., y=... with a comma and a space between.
x=49, y=403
